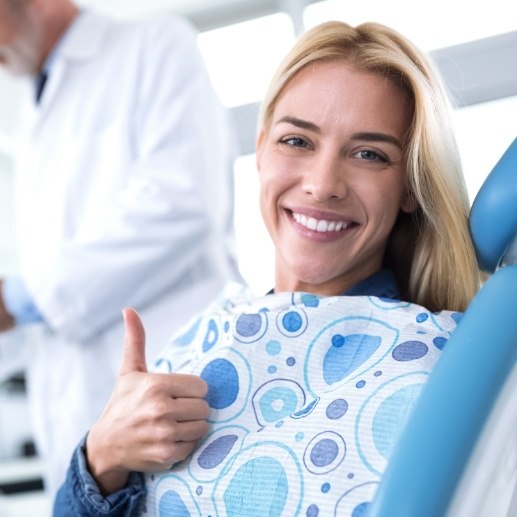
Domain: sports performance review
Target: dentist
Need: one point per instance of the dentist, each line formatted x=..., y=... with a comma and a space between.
x=123, y=196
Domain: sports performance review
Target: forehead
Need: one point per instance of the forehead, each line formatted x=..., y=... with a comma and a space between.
x=336, y=91
x=340, y=80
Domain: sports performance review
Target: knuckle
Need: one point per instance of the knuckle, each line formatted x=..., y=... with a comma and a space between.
x=167, y=456
x=204, y=427
x=161, y=459
x=165, y=433
x=200, y=430
x=147, y=386
x=205, y=409
x=196, y=385
x=174, y=452
x=173, y=434
x=152, y=384
x=157, y=408
x=202, y=386
x=184, y=451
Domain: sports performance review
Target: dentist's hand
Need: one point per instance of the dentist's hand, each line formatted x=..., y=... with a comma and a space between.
x=152, y=420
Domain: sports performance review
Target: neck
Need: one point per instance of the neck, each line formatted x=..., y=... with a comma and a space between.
x=59, y=17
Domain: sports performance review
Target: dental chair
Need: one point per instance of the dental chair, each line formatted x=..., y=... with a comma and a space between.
x=457, y=455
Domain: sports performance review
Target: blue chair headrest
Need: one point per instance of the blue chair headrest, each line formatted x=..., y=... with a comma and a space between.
x=493, y=218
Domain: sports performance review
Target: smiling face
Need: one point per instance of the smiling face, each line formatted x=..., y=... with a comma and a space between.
x=332, y=175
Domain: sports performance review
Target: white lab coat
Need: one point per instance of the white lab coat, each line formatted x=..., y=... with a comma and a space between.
x=124, y=198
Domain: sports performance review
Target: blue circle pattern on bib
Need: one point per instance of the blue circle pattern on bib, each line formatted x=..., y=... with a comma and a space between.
x=307, y=397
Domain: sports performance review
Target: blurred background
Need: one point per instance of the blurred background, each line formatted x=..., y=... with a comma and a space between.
x=473, y=45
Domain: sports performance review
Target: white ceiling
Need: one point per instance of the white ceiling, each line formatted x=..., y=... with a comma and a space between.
x=434, y=24
x=205, y=14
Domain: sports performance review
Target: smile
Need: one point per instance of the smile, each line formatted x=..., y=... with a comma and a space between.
x=319, y=225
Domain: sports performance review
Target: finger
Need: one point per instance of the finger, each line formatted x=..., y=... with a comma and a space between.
x=133, y=359
x=189, y=431
x=180, y=385
x=165, y=461
x=186, y=409
x=183, y=450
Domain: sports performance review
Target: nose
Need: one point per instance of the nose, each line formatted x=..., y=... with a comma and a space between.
x=325, y=178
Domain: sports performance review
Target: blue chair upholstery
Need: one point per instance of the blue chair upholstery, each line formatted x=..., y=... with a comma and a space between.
x=493, y=219
x=456, y=408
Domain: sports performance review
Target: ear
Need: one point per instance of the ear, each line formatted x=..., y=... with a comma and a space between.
x=408, y=204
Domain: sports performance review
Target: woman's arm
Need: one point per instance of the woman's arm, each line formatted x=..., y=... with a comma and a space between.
x=80, y=496
x=151, y=422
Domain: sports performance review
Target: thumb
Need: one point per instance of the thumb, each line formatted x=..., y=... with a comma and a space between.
x=133, y=359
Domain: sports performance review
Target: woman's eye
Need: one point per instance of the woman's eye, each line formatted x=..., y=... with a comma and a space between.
x=294, y=141
x=371, y=156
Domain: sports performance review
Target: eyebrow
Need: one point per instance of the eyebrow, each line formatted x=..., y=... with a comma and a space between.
x=298, y=122
x=365, y=135
x=377, y=137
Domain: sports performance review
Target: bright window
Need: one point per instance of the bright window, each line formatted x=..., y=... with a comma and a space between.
x=484, y=131
x=241, y=58
x=430, y=25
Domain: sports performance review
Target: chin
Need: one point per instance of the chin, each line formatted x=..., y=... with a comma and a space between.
x=314, y=281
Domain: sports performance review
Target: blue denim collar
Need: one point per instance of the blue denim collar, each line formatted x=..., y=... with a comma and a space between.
x=382, y=284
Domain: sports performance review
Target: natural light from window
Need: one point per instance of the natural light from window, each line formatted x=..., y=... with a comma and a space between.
x=241, y=58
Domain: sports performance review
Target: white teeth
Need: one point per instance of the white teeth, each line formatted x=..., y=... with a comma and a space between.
x=320, y=225
x=312, y=223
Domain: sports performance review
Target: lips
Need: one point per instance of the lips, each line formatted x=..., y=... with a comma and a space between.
x=320, y=225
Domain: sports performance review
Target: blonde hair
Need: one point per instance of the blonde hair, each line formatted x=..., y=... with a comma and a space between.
x=430, y=250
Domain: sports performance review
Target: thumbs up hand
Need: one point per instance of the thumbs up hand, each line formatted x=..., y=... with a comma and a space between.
x=152, y=420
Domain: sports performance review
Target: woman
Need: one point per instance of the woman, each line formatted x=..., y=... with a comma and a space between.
x=299, y=395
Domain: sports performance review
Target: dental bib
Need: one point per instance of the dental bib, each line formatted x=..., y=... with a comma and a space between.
x=307, y=394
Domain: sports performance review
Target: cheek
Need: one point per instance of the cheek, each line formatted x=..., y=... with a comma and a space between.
x=274, y=185
x=383, y=201
x=265, y=195
x=272, y=177
x=262, y=199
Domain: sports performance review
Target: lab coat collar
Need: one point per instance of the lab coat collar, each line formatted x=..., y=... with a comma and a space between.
x=83, y=40
x=85, y=37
